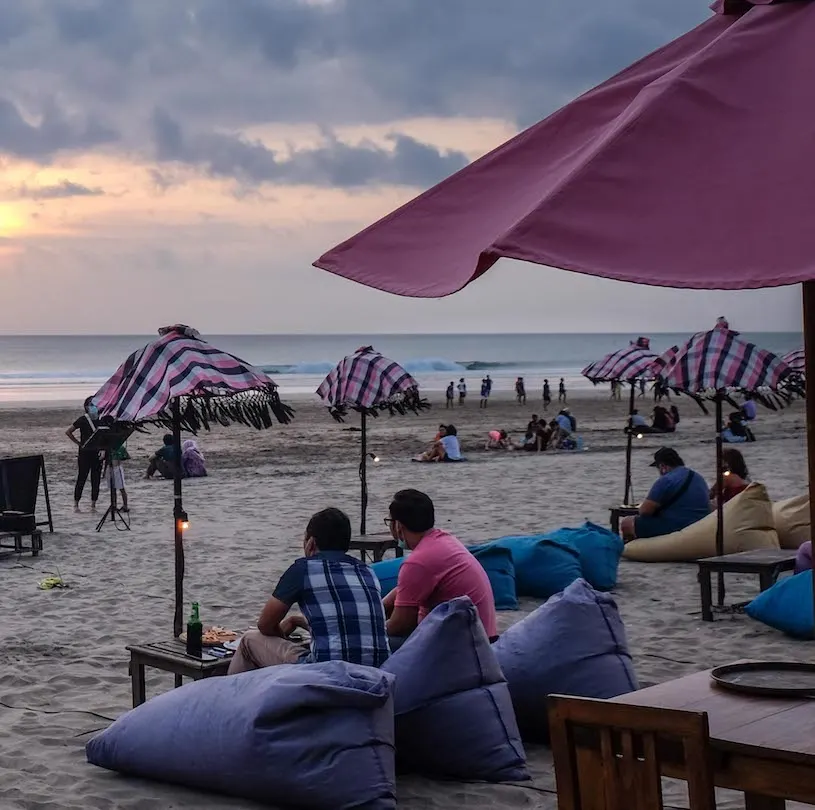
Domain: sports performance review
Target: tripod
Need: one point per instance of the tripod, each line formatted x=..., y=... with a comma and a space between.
x=117, y=517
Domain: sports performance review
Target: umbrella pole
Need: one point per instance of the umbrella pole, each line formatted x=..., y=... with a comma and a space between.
x=630, y=432
x=809, y=379
x=178, y=510
x=719, y=497
x=363, y=474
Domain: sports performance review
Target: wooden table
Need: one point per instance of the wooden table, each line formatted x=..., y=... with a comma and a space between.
x=170, y=656
x=768, y=563
x=618, y=512
x=377, y=544
x=764, y=747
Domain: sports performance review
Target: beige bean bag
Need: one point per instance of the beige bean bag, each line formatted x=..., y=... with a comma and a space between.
x=748, y=524
x=792, y=521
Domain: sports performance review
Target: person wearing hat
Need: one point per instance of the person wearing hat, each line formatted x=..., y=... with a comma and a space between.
x=678, y=498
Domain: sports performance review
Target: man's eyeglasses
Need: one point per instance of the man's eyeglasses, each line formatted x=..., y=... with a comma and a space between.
x=389, y=522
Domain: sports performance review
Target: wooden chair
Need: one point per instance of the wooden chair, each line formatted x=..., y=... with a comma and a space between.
x=608, y=755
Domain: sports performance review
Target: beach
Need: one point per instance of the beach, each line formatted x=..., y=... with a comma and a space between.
x=64, y=672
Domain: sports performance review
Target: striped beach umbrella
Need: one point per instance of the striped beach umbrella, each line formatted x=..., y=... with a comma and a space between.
x=633, y=363
x=369, y=383
x=795, y=360
x=181, y=382
x=207, y=384
x=714, y=365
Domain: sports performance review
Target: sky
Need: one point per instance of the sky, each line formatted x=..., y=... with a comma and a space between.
x=186, y=160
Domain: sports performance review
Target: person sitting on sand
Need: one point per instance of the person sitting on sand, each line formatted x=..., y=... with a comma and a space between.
x=438, y=569
x=736, y=432
x=748, y=408
x=562, y=429
x=192, y=460
x=663, y=421
x=163, y=460
x=446, y=448
x=638, y=422
x=340, y=600
x=678, y=498
x=736, y=476
x=498, y=440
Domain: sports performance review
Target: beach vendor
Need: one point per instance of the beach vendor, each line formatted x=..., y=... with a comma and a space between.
x=678, y=498
x=439, y=568
x=89, y=462
x=163, y=460
x=339, y=598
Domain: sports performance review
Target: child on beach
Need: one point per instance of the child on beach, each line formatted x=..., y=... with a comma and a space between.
x=498, y=440
x=561, y=391
x=462, y=391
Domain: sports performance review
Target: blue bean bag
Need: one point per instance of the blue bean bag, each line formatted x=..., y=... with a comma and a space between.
x=787, y=606
x=317, y=735
x=387, y=572
x=454, y=716
x=574, y=644
x=543, y=566
x=600, y=551
x=497, y=562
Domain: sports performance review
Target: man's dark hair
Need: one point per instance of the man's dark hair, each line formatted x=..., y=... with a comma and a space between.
x=414, y=510
x=88, y=401
x=450, y=430
x=168, y=438
x=331, y=529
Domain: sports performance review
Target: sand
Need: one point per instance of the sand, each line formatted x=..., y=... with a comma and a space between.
x=64, y=664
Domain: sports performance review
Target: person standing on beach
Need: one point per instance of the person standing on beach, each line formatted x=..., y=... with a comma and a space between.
x=340, y=601
x=547, y=395
x=462, y=391
x=89, y=462
x=451, y=395
x=485, y=392
x=561, y=391
x=642, y=389
x=438, y=569
x=520, y=391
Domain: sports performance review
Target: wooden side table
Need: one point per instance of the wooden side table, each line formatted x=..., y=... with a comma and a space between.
x=768, y=563
x=619, y=512
x=376, y=545
x=170, y=656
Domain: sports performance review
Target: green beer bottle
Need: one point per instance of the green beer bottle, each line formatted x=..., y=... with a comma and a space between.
x=195, y=632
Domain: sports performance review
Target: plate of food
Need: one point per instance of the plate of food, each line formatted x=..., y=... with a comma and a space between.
x=214, y=636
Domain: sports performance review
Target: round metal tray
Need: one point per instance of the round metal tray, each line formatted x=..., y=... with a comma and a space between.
x=770, y=678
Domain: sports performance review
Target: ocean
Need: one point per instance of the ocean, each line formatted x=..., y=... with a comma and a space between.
x=48, y=368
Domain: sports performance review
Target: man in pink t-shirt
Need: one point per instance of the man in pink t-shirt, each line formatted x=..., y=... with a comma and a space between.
x=438, y=569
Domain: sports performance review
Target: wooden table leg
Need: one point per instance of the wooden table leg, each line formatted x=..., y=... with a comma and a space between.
x=137, y=685
x=179, y=680
x=766, y=579
x=752, y=801
x=615, y=521
x=707, y=594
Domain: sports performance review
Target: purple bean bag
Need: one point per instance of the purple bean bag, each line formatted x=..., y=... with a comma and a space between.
x=307, y=735
x=454, y=716
x=803, y=559
x=574, y=644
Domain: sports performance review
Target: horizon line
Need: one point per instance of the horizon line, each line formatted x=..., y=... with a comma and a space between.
x=382, y=334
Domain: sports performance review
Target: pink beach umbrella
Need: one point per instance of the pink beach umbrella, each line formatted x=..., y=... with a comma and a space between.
x=629, y=365
x=368, y=382
x=715, y=365
x=181, y=382
x=691, y=168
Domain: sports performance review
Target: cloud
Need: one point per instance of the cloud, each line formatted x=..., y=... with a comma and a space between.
x=333, y=163
x=52, y=133
x=223, y=65
x=61, y=190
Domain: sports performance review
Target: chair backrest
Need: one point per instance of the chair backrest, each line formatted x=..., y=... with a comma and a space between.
x=20, y=484
x=608, y=755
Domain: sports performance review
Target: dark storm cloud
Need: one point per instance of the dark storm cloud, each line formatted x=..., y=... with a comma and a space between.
x=58, y=191
x=333, y=163
x=224, y=65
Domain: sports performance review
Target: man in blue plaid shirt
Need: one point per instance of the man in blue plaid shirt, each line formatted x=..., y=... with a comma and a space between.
x=340, y=600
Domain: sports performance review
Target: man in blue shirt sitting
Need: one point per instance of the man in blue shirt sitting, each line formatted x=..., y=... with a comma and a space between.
x=340, y=600
x=679, y=497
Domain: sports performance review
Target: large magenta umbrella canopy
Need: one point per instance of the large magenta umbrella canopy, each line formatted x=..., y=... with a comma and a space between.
x=691, y=168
